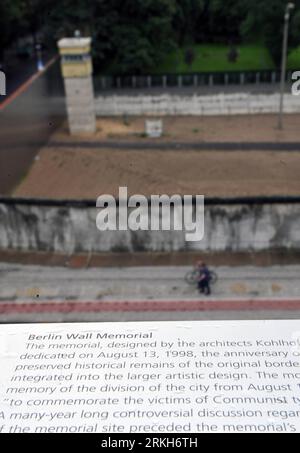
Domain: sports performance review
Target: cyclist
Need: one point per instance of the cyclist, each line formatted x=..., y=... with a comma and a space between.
x=204, y=278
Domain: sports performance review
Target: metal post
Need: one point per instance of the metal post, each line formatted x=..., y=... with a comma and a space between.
x=40, y=64
x=289, y=7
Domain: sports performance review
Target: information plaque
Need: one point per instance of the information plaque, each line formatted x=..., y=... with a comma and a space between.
x=150, y=377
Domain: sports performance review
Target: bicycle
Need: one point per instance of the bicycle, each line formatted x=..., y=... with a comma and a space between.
x=192, y=277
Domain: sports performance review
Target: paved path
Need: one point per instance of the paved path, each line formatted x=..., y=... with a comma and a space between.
x=35, y=293
x=178, y=146
x=19, y=282
x=19, y=72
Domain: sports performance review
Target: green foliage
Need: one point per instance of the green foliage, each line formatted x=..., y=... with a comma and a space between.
x=214, y=58
x=135, y=36
x=187, y=19
x=232, y=54
x=141, y=34
x=266, y=19
x=224, y=19
x=10, y=12
x=295, y=29
x=189, y=56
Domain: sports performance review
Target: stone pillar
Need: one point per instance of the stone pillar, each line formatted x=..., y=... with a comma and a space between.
x=77, y=70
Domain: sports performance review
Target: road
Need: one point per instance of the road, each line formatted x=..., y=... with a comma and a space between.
x=19, y=70
x=36, y=293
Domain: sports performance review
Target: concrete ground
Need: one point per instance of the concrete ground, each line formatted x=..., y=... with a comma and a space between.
x=243, y=128
x=28, y=283
x=84, y=173
x=207, y=155
x=39, y=294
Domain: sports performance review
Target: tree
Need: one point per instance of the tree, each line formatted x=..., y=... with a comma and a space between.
x=225, y=19
x=140, y=33
x=233, y=54
x=187, y=19
x=294, y=38
x=133, y=36
x=10, y=14
x=264, y=20
x=189, y=56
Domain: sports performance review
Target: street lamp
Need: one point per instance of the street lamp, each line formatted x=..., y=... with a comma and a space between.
x=40, y=64
x=288, y=9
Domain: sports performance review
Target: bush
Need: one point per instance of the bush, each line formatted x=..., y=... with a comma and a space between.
x=190, y=56
x=233, y=55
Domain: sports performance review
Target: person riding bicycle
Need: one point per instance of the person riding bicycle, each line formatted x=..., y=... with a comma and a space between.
x=204, y=278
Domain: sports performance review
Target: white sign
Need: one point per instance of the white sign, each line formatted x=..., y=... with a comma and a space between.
x=159, y=377
x=154, y=128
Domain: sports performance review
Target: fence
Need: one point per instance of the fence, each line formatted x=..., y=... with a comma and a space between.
x=188, y=80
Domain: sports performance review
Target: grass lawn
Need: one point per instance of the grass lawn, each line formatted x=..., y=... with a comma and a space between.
x=213, y=58
x=294, y=59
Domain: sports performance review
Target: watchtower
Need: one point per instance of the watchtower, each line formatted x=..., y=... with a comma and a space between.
x=76, y=64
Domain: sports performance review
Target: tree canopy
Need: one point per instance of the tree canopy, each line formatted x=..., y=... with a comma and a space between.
x=133, y=36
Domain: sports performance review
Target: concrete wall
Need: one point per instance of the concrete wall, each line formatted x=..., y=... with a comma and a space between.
x=219, y=104
x=80, y=104
x=70, y=229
